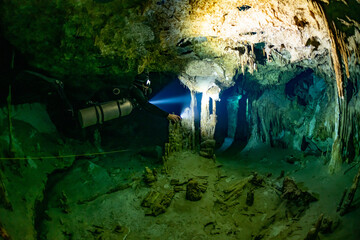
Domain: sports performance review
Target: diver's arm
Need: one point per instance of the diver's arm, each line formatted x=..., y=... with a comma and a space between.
x=143, y=102
x=173, y=117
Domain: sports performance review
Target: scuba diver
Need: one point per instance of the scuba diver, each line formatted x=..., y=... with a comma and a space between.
x=140, y=92
x=107, y=104
x=117, y=102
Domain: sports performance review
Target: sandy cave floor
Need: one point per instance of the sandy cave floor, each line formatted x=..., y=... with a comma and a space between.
x=91, y=213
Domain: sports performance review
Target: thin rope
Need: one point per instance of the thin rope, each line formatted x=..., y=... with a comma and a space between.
x=66, y=156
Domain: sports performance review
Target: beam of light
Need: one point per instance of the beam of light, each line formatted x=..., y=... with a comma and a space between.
x=174, y=100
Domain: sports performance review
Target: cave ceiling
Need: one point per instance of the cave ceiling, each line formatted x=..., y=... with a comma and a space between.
x=82, y=41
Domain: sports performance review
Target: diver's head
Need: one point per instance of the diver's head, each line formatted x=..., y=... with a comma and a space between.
x=143, y=82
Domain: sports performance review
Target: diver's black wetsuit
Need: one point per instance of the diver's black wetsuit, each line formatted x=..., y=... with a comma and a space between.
x=137, y=97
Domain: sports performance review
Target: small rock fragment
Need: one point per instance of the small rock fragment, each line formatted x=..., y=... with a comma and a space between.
x=157, y=202
x=250, y=198
x=195, y=190
x=178, y=188
x=282, y=174
x=329, y=225
x=174, y=181
x=293, y=193
x=291, y=159
x=149, y=176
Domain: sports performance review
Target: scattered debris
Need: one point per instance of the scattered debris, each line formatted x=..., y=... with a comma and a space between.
x=257, y=180
x=4, y=200
x=314, y=231
x=282, y=174
x=233, y=193
x=177, y=182
x=64, y=203
x=212, y=228
x=112, y=190
x=119, y=229
x=195, y=189
x=108, y=232
x=149, y=176
x=207, y=148
x=96, y=231
x=291, y=159
x=329, y=225
x=3, y=234
x=293, y=193
x=174, y=182
x=178, y=188
x=157, y=202
x=250, y=198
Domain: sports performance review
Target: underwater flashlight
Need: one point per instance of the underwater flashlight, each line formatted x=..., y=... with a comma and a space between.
x=186, y=113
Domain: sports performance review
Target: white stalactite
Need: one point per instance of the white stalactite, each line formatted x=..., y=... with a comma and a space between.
x=207, y=120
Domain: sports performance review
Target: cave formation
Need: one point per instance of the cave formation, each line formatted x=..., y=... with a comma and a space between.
x=268, y=146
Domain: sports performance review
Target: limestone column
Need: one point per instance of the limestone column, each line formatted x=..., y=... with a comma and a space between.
x=207, y=126
x=192, y=118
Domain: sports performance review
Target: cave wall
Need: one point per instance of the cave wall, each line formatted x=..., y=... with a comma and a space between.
x=88, y=44
x=97, y=43
x=296, y=115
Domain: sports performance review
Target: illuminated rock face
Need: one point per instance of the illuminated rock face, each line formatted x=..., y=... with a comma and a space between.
x=288, y=27
x=201, y=76
x=204, y=77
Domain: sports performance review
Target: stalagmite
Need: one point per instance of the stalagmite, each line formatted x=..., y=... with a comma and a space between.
x=213, y=116
x=351, y=195
x=192, y=118
x=342, y=117
x=207, y=120
x=205, y=129
x=3, y=233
